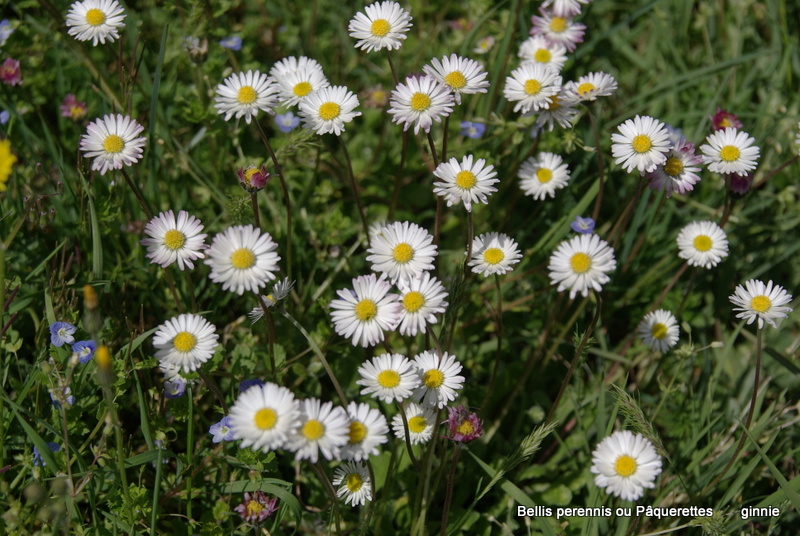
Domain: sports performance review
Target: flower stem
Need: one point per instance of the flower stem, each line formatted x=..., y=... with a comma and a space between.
x=331, y=492
x=353, y=185
x=398, y=179
x=499, y=320
x=408, y=437
x=271, y=331
x=254, y=203
x=189, y=452
x=446, y=127
x=138, y=194
x=391, y=66
x=470, y=240
x=448, y=497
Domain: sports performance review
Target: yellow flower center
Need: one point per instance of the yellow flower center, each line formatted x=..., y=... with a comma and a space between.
x=242, y=259
x=265, y=419
x=402, y=253
x=585, y=88
x=76, y=112
x=465, y=428
x=366, y=310
x=580, y=263
x=553, y=103
x=357, y=432
x=413, y=301
x=433, y=378
x=254, y=508
x=249, y=172
x=380, y=27
x=532, y=87
x=174, y=239
x=724, y=122
x=95, y=17
x=113, y=143
x=625, y=465
x=673, y=167
x=702, y=243
x=417, y=424
x=658, y=331
x=302, y=89
x=730, y=153
x=493, y=256
x=542, y=55
x=544, y=175
x=388, y=379
x=313, y=429
x=760, y=303
x=354, y=482
x=329, y=110
x=456, y=80
x=184, y=341
x=558, y=24
x=641, y=143
x=420, y=102
x=465, y=179
x=247, y=95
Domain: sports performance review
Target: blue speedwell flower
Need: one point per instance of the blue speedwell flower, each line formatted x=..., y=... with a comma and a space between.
x=472, y=130
x=287, y=122
x=244, y=385
x=174, y=388
x=233, y=42
x=61, y=333
x=38, y=461
x=61, y=395
x=84, y=350
x=221, y=431
x=582, y=225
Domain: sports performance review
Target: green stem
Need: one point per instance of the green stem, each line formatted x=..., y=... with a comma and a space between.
x=391, y=66
x=448, y=497
x=189, y=452
x=138, y=194
x=331, y=492
x=499, y=319
x=271, y=330
x=446, y=127
x=399, y=177
x=254, y=203
x=409, y=448
x=354, y=186
x=156, y=488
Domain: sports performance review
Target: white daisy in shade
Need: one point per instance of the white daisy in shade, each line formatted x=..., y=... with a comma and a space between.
x=296, y=86
x=542, y=175
x=439, y=379
x=420, y=101
x=559, y=109
x=581, y=263
x=383, y=25
x=322, y=428
x=421, y=421
x=354, y=483
x=98, y=20
x=292, y=64
x=493, y=253
x=465, y=182
x=730, y=151
x=388, y=377
x=679, y=172
x=280, y=290
x=537, y=49
x=625, y=464
x=531, y=85
x=264, y=416
x=328, y=109
x=365, y=312
x=244, y=94
x=421, y=299
x=402, y=250
x=172, y=240
x=755, y=300
x=703, y=243
x=558, y=30
x=462, y=76
x=659, y=330
x=368, y=429
x=591, y=86
x=642, y=143
x=242, y=258
x=186, y=341
x=565, y=8
x=113, y=142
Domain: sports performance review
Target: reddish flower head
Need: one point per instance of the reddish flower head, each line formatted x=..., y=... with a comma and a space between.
x=464, y=425
x=252, y=178
x=257, y=507
x=739, y=185
x=724, y=119
x=10, y=72
x=72, y=108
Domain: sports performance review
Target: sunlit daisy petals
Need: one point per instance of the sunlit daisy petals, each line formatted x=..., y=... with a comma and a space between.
x=382, y=25
x=565, y=8
x=493, y=253
x=242, y=259
x=323, y=428
x=421, y=299
x=537, y=49
x=462, y=76
x=581, y=263
x=558, y=29
x=757, y=301
x=439, y=379
x=280, y=290
x=366, y=312
x=186, y=341
x=244, y=94
x=659, y=330
x=296, y=86
x=465, y=182
x=702, y=243
x=420, y=101
x=591, y=86
x=679, y=172
x=354, y=483
x=420, y=420
x=625, y=464
x=730, y=151
x=113, y=142
x=559, y=109
x=388, y=377
x=264, y=416
x=328, y=109
x=292, y=64
x=531, y=85
x=98, y=20
x=402, y=251
x=174, y=240
x=642, y=144
x=542, y=175
x=368, y=429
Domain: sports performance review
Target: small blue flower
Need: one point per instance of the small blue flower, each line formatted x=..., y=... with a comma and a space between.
x=233, y=42
x=5, y=31
x=61, y=395
x=84, y=350
x=582, y=225
x=221, y=431
x=4, y=116
x=287, y=122
x=61, y=333
x=174, y=389
x=38, y=461
x=247, y=384
x=472, y=130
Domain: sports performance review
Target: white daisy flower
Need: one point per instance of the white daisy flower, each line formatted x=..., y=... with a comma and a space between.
x=388, y=377
x=98, y=20
x=730, y=151
x=187, y=341
x=328, y=109
x=542, y=175
x=368, y=429
x=172, y=240
x=759, y=301
x=421, y=299
x=439, y=379
x=643, y=144
x=558, y=109
x=558, y=30
x=625, y=464
x=292, y=64
x=113, y=142
x=565, y=8
x=493, y=253
x=383, y=26
x=244, y=94
x=365, y=312
x=242, y=258
x=703, y=243
x=264, y=416
x=538, y=50
x=402, y=250
x=465, y=182
x=354, y=483
x=659, y=330
x=322, y=427
x=531, y=85
x=591, y=86
x=581, y=263
x=462, y=76
x=280, y=290
x=421, y=101
x=679, y=172
x=294, y=87
x=421, y=421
